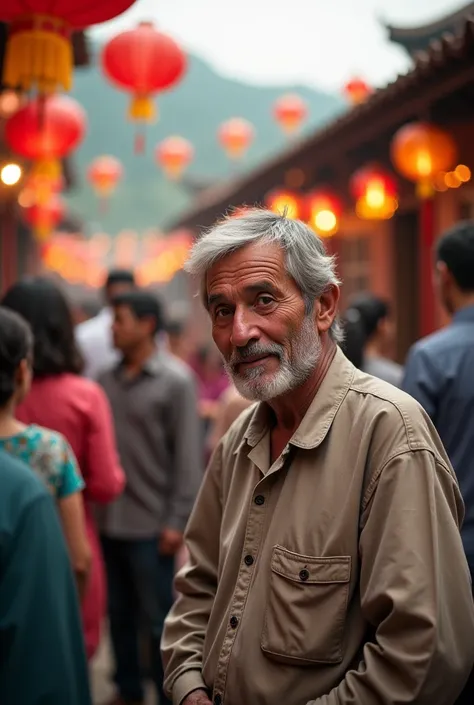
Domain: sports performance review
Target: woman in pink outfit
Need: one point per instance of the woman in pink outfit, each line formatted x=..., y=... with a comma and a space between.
x=62, y=400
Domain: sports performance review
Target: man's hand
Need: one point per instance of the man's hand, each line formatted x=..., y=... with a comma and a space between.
x=170, y=542
x=197, y=697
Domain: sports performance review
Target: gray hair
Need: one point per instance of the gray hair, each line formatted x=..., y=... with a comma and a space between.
x=307, y=261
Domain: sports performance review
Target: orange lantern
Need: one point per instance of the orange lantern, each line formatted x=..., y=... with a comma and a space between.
x=45, y=218
x=39, y=51
x=375, y=191
x=104, y=173
x=284, y=202
x=174, y=154
x=45, y=131
x=290, y=111
x=357, y=91
x=421, y=150
x=144, y=62
x=235, y=136
x=324, y=210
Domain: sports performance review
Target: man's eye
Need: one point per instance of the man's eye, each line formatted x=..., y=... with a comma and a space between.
x=221, y=312
x=265, y=300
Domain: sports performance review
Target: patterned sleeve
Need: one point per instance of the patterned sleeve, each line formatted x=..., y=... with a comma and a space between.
x=71, y=480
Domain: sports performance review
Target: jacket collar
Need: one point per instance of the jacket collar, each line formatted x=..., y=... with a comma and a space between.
x=318, y=419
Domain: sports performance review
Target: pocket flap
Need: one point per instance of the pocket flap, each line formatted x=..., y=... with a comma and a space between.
x=311, y=569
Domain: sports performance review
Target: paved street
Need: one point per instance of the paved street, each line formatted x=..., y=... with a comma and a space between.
x=102, y=668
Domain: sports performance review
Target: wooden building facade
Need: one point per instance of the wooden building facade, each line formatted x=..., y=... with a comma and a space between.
x=385, y=257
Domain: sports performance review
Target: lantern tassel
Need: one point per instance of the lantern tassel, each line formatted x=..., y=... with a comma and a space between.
x=38, y=55
x=103, y=205
x=142, y=108
x=140, y=142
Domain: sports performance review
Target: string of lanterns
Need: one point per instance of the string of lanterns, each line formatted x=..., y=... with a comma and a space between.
x=423, y=153
x=145, y=62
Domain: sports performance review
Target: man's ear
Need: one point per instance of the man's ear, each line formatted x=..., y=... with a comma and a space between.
x=326, y=308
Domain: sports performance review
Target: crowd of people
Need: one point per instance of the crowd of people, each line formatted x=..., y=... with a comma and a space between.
x=329, y=548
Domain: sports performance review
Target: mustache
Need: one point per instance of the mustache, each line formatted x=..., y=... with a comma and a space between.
x=253, y=349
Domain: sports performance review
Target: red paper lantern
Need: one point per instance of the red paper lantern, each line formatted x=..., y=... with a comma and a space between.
x=357, y=91
x=375, y=191
x=290, y=111
x=284, y=201
x=46, y=131
x=420, y=151
x=39, y=51
x=235, y=136
x=143, y=61
x=104, y=173
x=324, y=210
x=174, y=154
x=44, y=218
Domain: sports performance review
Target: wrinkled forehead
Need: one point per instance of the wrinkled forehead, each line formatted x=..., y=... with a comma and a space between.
x=259, y=263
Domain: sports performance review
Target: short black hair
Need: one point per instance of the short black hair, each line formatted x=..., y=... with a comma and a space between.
x=456, y=249
x=143, y=305
x=354, y=337
x=175, y=327
x=43, y=305
x=120, y=276
x=372, y=310
x=16, y=344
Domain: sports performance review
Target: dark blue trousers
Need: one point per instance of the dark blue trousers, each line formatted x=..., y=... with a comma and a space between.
x=140, y=594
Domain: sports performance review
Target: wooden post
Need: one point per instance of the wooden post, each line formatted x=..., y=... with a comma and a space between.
x=426, y=243
x=8, y=244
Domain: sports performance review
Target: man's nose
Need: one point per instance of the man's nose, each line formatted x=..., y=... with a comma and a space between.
x=243, y=328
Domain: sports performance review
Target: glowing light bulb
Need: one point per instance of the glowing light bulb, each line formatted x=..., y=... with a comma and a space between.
x=10, y=174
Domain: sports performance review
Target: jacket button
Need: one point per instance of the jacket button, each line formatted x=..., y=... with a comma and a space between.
x=234, y=622
x=248, y=560
x=259, y=499
x=217, y=700
x=304, y=575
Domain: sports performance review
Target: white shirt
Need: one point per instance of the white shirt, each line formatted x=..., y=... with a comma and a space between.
x=94, y=338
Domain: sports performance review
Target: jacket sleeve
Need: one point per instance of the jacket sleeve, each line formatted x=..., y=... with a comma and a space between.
x=422, y=380
x=196, y=583
x=187, y=444
x=103, y=473
x=415, y=590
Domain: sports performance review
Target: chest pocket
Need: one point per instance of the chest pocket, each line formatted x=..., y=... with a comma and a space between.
x=306, y=608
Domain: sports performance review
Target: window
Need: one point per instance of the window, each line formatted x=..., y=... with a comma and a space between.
x=354, y=266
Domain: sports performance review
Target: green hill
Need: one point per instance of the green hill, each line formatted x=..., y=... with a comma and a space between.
x=194, y=110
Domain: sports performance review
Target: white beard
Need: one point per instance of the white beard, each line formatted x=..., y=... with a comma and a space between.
x=257, y=385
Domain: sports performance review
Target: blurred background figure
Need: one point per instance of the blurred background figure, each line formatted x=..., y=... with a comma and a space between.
x=62, y=400
x=212, y=382
x=47, y=453
x=94, y=336
x=229, y=407
x=42, y=657
x=439, y=374
x=153, y=399
x=178, y=343
x=370, y=335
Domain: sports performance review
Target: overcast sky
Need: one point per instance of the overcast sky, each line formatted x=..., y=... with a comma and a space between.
x=315, y=42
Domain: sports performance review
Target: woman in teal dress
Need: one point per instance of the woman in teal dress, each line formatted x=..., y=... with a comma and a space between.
x=46, y=452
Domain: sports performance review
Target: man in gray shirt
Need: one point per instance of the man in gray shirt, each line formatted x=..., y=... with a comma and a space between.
x=153, y=400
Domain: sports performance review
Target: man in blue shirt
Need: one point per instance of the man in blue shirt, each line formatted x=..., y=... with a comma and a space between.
x=440, y=372
x=42, y=657
x=440, y=368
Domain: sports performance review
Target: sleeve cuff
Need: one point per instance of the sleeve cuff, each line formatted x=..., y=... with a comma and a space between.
x=185, y=684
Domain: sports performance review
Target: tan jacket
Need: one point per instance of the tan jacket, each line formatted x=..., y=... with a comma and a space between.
x=337, y=575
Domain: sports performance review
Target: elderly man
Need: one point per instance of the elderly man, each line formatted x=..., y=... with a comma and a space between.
x=325, y=560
